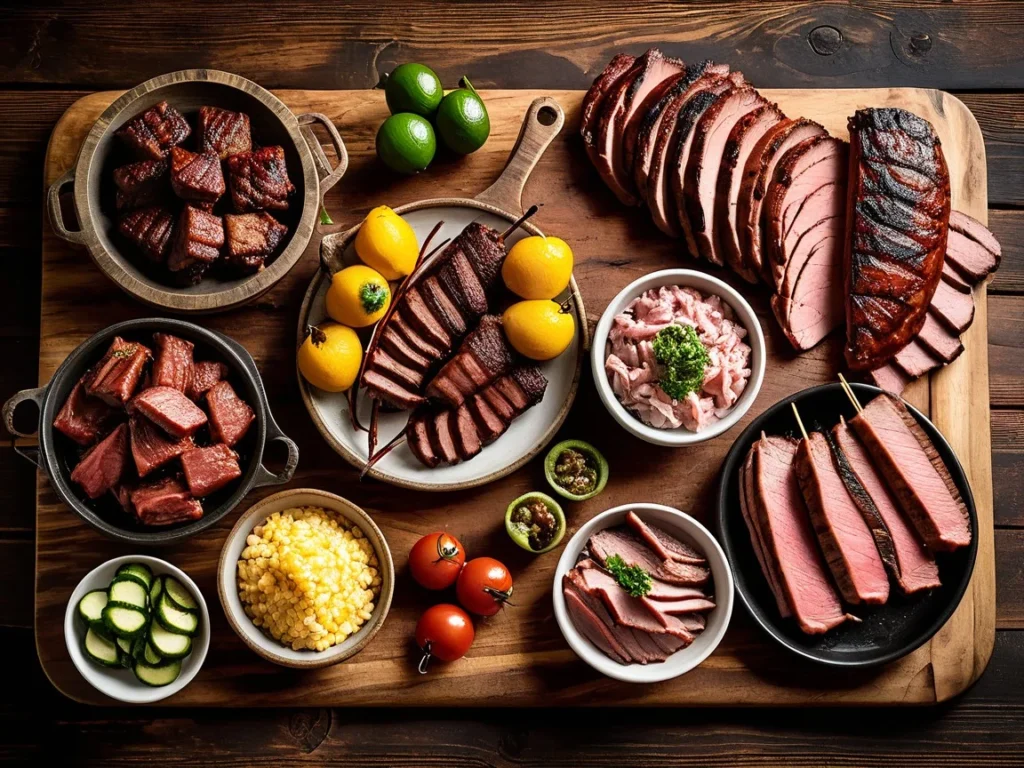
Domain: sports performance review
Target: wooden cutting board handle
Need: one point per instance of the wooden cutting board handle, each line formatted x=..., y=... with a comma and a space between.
x=544, y=119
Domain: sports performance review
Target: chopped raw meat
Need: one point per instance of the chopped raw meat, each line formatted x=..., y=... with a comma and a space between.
x=209, y=469
x=83, y=418
x=204, y=375
x=259, y=180
x=115, y=378
x=197, y=178
x=165, y=502
x=140, y=184
x=173, y=364
x=150, y=230
x=151, y=447
x=153, y=133
x=230, y=415
x=251, y=239
x=170, y=410
x=103, y=465
x=197, y=242
x=223, y=132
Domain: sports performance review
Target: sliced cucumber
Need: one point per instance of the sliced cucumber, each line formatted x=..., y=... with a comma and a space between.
x=169, y=645
x=157, y=675
x=151, y=657
x=100, y=650
x=124, y=643
x=124, y=621
x=180, y=596
x=173, y=619
x=154, y=591
x=124, y=652
x=139, y=644
x=90, y=607
x=137, y=571
x=128, y=591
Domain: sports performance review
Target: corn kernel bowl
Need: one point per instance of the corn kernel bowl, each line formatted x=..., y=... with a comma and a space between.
x=280, y=588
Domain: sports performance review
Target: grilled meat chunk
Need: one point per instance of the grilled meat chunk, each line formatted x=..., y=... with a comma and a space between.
x=151, y=446
x=141, y=184
x=897, y=223
x=164, y=502
x=230, y=415
x=152, y=134
x=115, y=378
x=223, y=132
x=204, y=375
x=259, y=180
x=251, y=239
x=103, y=465
x=172, y=366
x=170, y=410
x=83, y=418
x=483, y=356
x=150, y=230
x=209, y=469
x=198, y=240
x=196, y=178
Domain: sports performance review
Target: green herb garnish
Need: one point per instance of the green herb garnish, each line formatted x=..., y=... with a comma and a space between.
x=372, y=296
x=325, y=218
x=631, y=578
x=679, y=349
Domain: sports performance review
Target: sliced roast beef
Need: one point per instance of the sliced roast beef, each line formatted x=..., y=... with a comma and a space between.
x=627, y=610
x=700, y=183
x=209, y=469
x=663, y=609
x=382, y=388
x=486, y=252
x=629, y=639
x=665, y=545
x=460, y=282
x=915, y=360
x=102, y=466
x=890, y=378
x=897, y=220
x=151, y=446
x=388, y=366
x=973, y=251
x=950, y=276
x=393, y=343
x=442, y=307
x=739, y=147
x=633, y=551
x=413, y=338
x=594, y=99
x=418, y=435
x=589, y=624
x=758, y=535
x=489, y=426
x=467, y=439
x=115, y=378
x=953, y=306
x=483, y=356
x=843, y=534
x=916, y=474
x=442, y=438
x=83, y=418
x=651, y=103
x=170, y=410
x=758, y=171
x=939, y=340
x=913, y=567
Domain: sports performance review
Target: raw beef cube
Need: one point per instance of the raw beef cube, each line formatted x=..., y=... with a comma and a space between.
x=230, y=415
x=197, y=178
x=140, y=184
x=251, y=238
x=102, y=466
x=259, y=180
x=173, y=364
x=204, y=375
x=153, y=133
x=150, y=230
x=209, y=469
x=223, y=132
x=198, y=240
x=170, y=410
x=151, y=447
x=115, y=378
x=165, y=502
x=82, y=418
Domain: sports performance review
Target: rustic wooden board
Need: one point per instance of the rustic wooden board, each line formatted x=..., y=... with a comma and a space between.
x=519, y=657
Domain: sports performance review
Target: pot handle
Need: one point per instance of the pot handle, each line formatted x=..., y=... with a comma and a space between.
x=36, y=396
x=331, y=250
x=54, y=212
x=263, y=475
x=328, y=176
x=544, y=119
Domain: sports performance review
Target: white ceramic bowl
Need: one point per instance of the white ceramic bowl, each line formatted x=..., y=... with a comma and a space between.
x=227, y=579
x=689, y=531
x=706, y=284
x=121, y=684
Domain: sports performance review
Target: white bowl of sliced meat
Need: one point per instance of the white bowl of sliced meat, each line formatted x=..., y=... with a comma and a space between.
x=678, y=357
x=643, y=593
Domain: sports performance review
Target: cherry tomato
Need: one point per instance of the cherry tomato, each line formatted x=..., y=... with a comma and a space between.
x=436, y=560
x=445, y=633
x=484, y=586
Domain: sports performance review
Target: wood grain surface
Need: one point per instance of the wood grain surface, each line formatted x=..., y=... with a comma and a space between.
x=521, y=650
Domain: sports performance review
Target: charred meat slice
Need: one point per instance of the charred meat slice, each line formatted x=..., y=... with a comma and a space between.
x=230, y=415
x=164, y=502
x=151, y=447
x=418, y=434
x=115, y=378
x=150, y=230
x=170, y=410
x=103, y=465
x=442, y=439
x=196, y=178
x=83, y=418
x=409, y=378
x=594, y=99
x=467, y=439
x=140, y=184
x=251, y=239
x=198, y=240
x=223, y=132
x=486, y=253
x=483, y=356
x=419, y=316
x=414, y=339
x=152, y=134
x=259, y=180
x=442, y=307
x=204, y=375
x=898, y=215
x=393, y=343
x=382, y=388
x=489, y=425
x=462, y=285
x=172, y=366
x=209, y=469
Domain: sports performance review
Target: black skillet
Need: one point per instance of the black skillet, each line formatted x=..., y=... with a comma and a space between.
x=887, y=632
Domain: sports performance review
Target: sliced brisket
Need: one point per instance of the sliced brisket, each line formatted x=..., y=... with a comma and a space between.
x=665, y=545
x=972, y=249
x=483, y=356
x=633, y=551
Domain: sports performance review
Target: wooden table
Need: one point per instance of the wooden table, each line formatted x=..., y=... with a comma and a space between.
x=53, y=53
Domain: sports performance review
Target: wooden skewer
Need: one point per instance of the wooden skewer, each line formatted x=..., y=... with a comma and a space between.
x=426, y=243
x=849, y=393
x=799, y=421
x=396, y=441
x=518, y=222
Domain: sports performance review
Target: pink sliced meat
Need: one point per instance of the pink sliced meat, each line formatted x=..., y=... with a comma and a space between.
x=230, y=415
x=151, y=446
x=626, y=610
x=209, y=469
x=170, y=410
x=594, y=99
x=890, y=378
x=939, y=340
x=83, y=418
x=172, y=366
x=665, y=546
x=102, y=466
x=115, y=378
x=633, y=551
x=591, y=627
x=953, y=306
x=973, y=251
x=770, y=567
x=915, y=360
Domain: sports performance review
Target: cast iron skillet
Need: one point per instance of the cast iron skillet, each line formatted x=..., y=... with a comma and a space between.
x=57, y=455
x=889, y=631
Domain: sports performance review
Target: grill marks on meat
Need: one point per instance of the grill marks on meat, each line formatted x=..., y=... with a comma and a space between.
x=251, y=239
x=223, y=132
x=230, y=415
x=102, y=466
x=259, y=180
x=140, y=184
x=116, y=376
x=209, y=469
x=170, y=410
x=483, y=356
x=898, y=214
x=152, y=134
x=843, y=534
x=150, y=230
x=199, y=237
x=172, y=366
x=197, y=178
x=83, y=418
x=916, y=474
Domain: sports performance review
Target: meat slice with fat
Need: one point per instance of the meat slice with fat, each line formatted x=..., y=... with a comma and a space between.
x=664, y=544
x=633, y=551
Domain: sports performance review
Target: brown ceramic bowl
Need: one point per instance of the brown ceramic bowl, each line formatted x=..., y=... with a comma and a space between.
x=272, y=124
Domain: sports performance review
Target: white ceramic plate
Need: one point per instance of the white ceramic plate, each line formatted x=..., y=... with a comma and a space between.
x=706, y=284
x=525, y=437
x=121, y=684
x=689, y=531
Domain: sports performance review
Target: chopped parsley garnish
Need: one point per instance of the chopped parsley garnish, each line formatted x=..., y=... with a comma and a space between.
x=684, y=357
x=631, y=578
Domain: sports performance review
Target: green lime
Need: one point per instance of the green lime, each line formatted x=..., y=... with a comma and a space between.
x=462, y=120
x=406, y=143
x=413, y=88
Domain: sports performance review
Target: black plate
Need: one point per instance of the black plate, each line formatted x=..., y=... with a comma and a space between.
x=888, y=632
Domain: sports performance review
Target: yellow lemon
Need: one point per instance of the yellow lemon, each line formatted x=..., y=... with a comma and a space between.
x=538, y=267
x=330, y=357
x=358, y=296
x=538, y=328
x=387, y=243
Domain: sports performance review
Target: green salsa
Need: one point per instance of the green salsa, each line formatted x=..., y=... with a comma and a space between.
x=575, y=473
